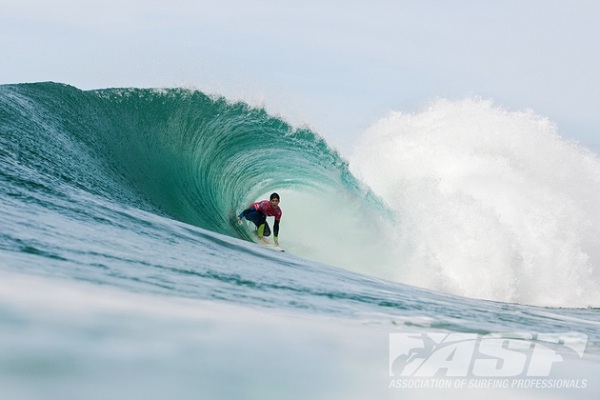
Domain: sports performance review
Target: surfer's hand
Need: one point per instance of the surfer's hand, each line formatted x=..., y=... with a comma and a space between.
x=239, y=219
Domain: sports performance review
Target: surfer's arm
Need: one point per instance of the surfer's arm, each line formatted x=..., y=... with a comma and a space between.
x=246, y=211
x=276, y=231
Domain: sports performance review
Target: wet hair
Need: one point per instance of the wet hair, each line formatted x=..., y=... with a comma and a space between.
x=274, y=196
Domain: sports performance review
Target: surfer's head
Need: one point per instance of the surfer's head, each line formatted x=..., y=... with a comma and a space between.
x=274, y=198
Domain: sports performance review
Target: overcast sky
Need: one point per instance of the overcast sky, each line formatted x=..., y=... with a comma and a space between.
x=334, y=65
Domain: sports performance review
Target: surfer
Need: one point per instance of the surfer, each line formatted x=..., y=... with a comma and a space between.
x=259, y=211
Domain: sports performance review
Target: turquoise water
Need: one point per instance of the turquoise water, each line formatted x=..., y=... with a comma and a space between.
x=122, y=276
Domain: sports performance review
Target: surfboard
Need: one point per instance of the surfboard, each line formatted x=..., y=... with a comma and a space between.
x=266, y=243
x=271, y=246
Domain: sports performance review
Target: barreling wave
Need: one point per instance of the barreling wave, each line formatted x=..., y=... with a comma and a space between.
x=178, y=152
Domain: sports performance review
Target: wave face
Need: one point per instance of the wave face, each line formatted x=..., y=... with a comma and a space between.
x=494, y=204
x=191, y=157
x=470, y=199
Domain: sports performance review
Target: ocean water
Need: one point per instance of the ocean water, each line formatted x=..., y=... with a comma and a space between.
x=454, y=254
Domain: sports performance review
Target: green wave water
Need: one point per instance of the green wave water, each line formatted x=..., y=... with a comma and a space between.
x=180, y=152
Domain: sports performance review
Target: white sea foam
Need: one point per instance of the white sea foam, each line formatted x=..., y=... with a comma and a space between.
x=492, y=203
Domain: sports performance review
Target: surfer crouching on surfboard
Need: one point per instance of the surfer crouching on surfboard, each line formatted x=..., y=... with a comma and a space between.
x=257, y=213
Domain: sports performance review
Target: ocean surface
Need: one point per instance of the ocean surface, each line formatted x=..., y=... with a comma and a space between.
x=454, y=254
